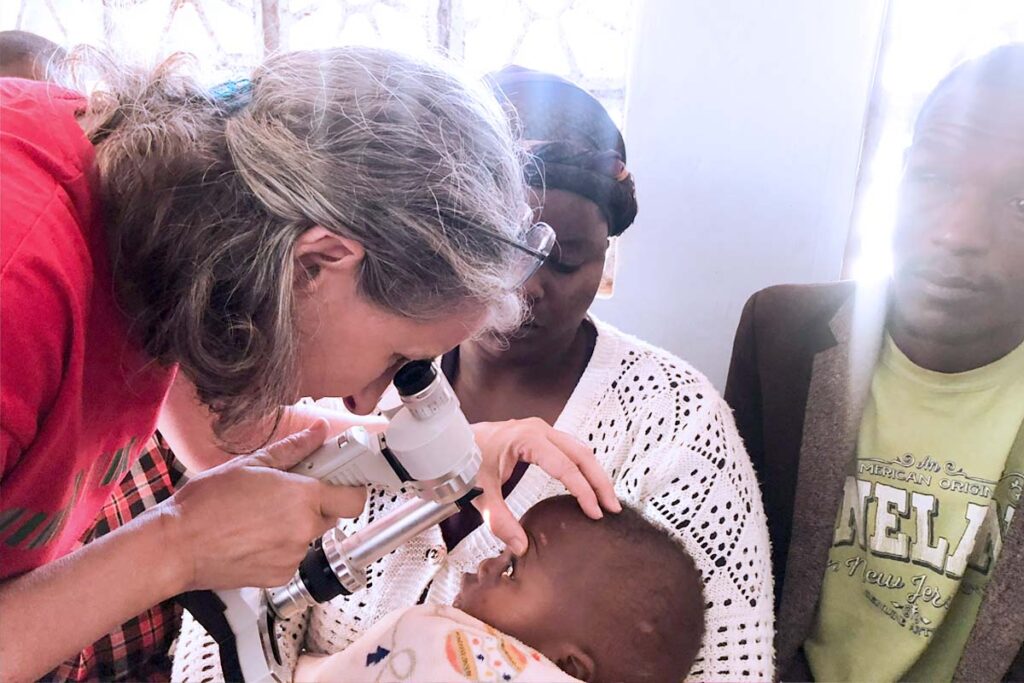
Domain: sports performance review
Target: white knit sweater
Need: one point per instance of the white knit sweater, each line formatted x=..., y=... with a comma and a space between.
x=669, y=442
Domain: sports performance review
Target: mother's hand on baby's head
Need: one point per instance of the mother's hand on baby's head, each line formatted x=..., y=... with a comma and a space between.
x=532, y=440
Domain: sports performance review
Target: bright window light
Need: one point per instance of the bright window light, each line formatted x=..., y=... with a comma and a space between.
x=924, y=40
x=587, y=41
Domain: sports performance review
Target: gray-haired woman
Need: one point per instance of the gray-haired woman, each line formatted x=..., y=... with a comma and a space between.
x=302, y=233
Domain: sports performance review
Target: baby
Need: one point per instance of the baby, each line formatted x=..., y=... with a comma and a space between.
x=609, y=600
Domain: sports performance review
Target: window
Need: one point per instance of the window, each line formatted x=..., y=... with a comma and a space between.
x=923, y=40
x=584, y=40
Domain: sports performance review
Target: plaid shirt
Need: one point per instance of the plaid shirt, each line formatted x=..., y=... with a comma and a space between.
x=138, y=650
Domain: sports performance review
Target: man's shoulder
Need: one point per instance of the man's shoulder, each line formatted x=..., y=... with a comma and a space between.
x=781, y=327
x=793, y=304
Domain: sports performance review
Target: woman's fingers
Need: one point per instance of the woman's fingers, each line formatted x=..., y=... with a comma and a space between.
x=333, y=410
x=247, y=524
x=341, y=501
x=292, y=449
x=584, y=459
x=498, y=518
x=333, y=501
x=553, y=460
x=558, y=454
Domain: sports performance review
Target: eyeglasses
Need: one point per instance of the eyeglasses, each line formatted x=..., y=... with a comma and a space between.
x=534, y=246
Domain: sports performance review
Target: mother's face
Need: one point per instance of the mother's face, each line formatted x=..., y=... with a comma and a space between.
x=561, y=292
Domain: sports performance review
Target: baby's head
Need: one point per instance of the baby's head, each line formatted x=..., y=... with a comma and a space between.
x=609, y=600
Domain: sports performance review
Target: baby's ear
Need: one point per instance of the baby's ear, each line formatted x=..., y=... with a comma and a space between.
x=575, y=662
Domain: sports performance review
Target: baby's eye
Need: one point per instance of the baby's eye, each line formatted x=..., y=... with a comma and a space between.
x=510, y=570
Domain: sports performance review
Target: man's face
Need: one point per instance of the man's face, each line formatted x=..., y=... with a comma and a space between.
x=959, y=241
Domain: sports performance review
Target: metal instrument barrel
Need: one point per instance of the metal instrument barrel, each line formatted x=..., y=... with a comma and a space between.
x=384, y=535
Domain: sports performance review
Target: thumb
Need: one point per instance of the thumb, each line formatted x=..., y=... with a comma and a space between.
x=291, y=450
x=500, y=520
x=338, y=417
x=341, y=501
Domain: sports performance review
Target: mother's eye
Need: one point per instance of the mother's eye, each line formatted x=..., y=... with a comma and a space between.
x=564, y=268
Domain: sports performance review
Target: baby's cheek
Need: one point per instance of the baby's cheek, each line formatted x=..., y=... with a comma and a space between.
x=499, y=608
x=476, y=602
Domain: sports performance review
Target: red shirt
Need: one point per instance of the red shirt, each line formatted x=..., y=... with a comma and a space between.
x=78, y=396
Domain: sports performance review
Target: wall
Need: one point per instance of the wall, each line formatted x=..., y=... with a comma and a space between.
x=743, y=127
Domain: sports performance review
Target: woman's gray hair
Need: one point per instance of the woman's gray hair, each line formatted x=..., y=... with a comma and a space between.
x=207, y=192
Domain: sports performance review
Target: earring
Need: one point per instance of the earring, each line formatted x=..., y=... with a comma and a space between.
x=607, y=287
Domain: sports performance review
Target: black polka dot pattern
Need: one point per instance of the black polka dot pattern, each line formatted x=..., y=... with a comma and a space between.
x=671, y=444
